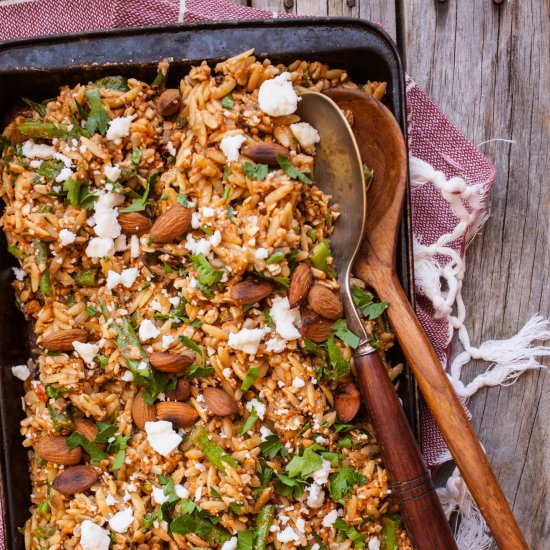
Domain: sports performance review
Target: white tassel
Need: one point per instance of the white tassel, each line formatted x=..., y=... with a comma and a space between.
x=471, y=532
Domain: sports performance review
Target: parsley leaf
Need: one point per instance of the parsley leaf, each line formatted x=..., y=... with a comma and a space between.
x=250, y=421
x=305, y=465
x=72, y=188
x=339, y=365
x=228, y=102
x=201, y=523
x=357, y=538
x=187, y=342
x=183, y=200
x=207, y=275
x=106, y=431
x=250, y=378
x=288, y=486
x=98, y=119
x=96, y=454
x=342, y=482
x=212, y=451
x=291, y=171
x=344, y=333
x=368, y=173
x=50, y=169
x=258, y=172
x=138, y=205
x=38, y=107
x=364, y=301
x=272, y=446
x=116, y=82
x=245, y=540
x=196, y=371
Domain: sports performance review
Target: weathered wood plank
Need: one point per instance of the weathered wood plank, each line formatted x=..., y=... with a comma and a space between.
x=486, y=65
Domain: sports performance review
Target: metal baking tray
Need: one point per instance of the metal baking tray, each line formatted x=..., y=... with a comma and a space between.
x=37, y=67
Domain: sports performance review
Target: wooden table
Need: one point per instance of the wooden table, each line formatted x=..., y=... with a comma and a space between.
x=486, y=64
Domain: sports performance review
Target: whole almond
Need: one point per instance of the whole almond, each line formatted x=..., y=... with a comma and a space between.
x=219, y=402
x=142, y=412
x=347, y=402
x=181, y=392
x=54, y=449
x=324, y=302
x=264, y=153
x=250, y=291
x=169, y=362
x=170, y=225
x=169, y=102
x=300, y=283
x=86, y=428
x=134, y=223
x=62, y=340
x=315, y=327
x=180, y=414
x=75, y=479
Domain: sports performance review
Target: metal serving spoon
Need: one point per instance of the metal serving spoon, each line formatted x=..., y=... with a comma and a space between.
x=338, y=171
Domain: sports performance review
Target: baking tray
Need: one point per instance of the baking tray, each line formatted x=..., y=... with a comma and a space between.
x=37, y=67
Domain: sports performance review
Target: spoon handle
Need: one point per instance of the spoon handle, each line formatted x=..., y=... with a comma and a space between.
x=411, y=483
x=445, y=406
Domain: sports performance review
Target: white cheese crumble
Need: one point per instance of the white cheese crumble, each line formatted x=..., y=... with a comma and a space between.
x=298, y=382
x=261, y=254
x=112, y=173
x=119, y=127
x=316, y=496
x=216, y=238
x=275, y=344
x=171, y=149
x=231, y=544
x=162, y=437
x=195, y=220
x=100, y=248
x=230, y=145
x=86, y=351
x=198, y=246
x=285, y=319
x=227, y=372
x=277, y=96
x=265, y=432
x=258, y=406
x=93, y=537
x=134, y=246
x=306, y=134
x=374, y=544
x=64, y=175
x=121, y=521
x=321, y=475
x=330, y=518
x=288, y=535
x=21, y=371
x=148, y=330
x=181, y=491
x=167, y=341
x=207, y=212
x=110, y=500
x=66, y=237
x=127, y=278
x=19, y=273
x=247, y=339
x=127, y=376
x=158, y=495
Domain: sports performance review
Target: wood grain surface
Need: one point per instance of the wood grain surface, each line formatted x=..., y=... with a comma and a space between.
x=486, y=64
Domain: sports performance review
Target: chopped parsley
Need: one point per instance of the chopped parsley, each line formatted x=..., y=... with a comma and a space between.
x=291, y=171
x=364, y=301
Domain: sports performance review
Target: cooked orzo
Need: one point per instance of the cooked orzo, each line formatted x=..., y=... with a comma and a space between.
x=192, y=383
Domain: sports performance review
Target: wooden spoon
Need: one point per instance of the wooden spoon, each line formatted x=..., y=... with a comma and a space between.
x=383, y=149
x=338, y=171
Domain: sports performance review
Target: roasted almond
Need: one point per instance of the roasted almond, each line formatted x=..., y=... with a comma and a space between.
x=250, y=291
x=169, y=362
x=219, y=402
x=180, y=414
x=300, y=283
x=54, y=449
x=264, y=153
x=142, y=412
x=75, y=479
x=62, y=340
x=324, y=302
x=86, y=428
x=169, y=102
x=347, y=402
x=315, y=327
x=134, y=223
x=170, y=225
x=181, y=392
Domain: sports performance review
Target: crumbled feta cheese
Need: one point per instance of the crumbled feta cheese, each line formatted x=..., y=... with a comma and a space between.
x=265, y=432
x=127, y=376
x=162, y=437
x=106, y=223
x=128, y=276
x=195, y=220
x=175, y=300
x=171, y=149
x=247, y=339
x=134, y=246
x=374, y=544
x=227, y=372
x=181, y=491
x=64, y=175
x=231, y=544
x=66, y=237
x=330, y=518
x=298, y=382
x=306, y=134
x=112, y=172
x=207, y=212
x=230, y=146
x=158, y=495
x=35, y=163
x=288, y=535
x=21, y=371
x=120, y=244
x=216, y=238
x=316, y=496
x=300, y=525
x=321, y=475
x=261, y=254
x=121, y=521
x=277, y=96
x=94, y=537
x=198, y=493
x=119, y=127
x=19, y=273
x=86, y=351
x=148, y=330
x=258, y=406
x=285, y=319
x=321, y=440
x=110, y=500
x=167, y=340
x=198, y=246
x=37, y=150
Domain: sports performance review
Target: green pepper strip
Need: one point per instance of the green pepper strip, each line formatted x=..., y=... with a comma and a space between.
x=39, y=129
x=264, y=519
x=320, y=253
x=389, y=531
x=86, y=277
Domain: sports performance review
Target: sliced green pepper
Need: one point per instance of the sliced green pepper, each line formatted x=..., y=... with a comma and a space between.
x=39, y=129
x=86, y=277
x=264, y=519
x=319, y=256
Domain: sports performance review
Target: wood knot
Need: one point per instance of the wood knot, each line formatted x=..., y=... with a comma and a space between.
x=350, y=3
x=288, y=4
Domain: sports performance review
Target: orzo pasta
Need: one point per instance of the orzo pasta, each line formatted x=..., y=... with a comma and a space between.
x=192, y=383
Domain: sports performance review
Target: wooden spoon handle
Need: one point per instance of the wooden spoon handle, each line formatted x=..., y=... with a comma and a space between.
x=410, y=481
x=445, y=406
